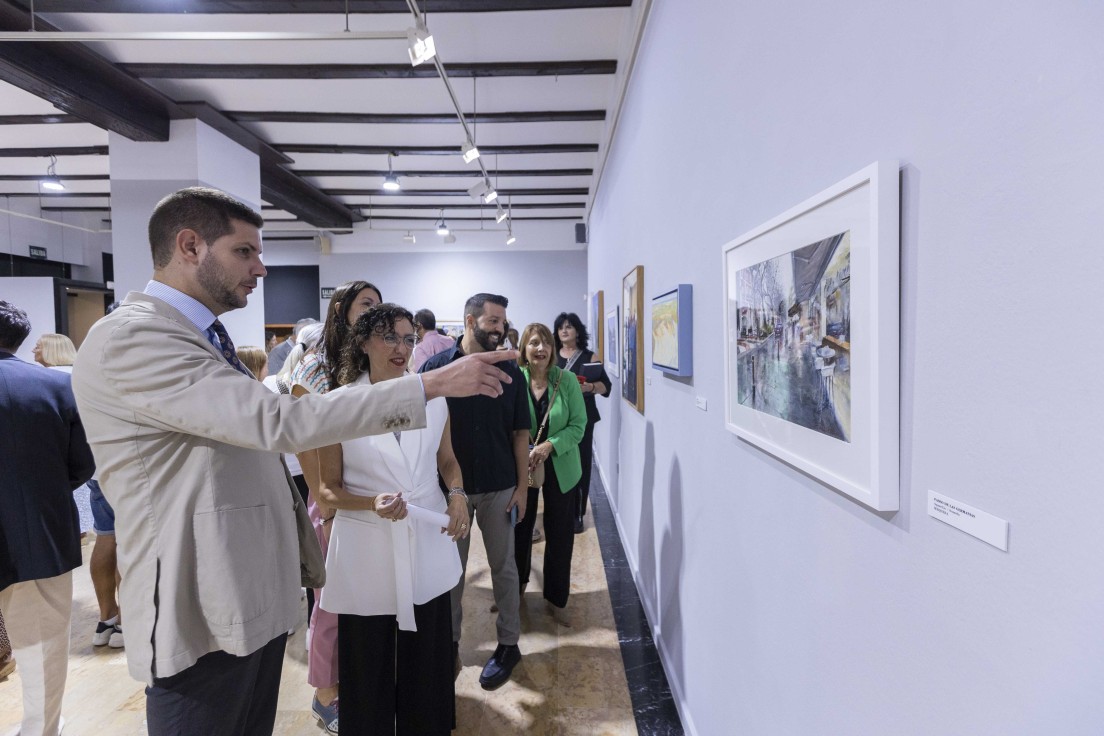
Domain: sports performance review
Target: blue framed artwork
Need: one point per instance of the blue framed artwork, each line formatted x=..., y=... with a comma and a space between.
x=673, y=331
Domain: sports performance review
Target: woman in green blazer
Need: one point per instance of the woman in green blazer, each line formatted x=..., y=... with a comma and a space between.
x=556, y=392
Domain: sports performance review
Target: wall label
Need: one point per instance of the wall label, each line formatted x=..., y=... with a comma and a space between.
x=973, y=521
x=328, y=291
x=37, y=251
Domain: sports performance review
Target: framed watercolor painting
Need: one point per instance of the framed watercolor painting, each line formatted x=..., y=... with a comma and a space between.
x=812, y=337
x=451, y=327
x=632, y=338
x=594, y=324
x=673, y=331
x=613, y=323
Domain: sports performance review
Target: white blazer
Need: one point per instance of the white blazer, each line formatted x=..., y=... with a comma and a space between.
x=379, y=567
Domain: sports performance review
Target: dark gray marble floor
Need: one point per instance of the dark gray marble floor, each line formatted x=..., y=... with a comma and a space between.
x=653, y=705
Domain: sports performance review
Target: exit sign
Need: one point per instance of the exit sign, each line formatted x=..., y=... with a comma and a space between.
x=37, y=251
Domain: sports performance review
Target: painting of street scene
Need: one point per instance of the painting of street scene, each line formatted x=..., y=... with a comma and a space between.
x=793, y=336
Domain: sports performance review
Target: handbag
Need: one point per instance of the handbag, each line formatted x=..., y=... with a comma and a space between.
x=536, y=475
x=312, y=564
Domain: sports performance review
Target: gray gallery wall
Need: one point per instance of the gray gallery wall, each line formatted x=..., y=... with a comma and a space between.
x=781, y=606
x=539, y=284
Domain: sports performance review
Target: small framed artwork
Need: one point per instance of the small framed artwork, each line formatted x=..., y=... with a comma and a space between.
x=594, y=324
x=673, y=331
x=632, y=338
x=812, y=338
x=613, y=322
x=451, y=327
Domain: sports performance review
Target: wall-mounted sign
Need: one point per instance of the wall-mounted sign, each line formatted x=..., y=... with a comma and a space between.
x=37, y=251
x=327, y=292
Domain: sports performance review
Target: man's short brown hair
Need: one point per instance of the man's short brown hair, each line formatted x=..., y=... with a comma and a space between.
x=207, y=211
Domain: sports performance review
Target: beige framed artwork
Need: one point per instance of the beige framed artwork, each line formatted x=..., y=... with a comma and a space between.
x=632, y=338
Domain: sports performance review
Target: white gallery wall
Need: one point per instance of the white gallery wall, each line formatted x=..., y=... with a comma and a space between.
x=539, y=284
x=779, y=605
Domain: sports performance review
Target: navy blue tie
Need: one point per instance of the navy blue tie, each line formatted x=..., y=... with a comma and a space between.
x=227, y=346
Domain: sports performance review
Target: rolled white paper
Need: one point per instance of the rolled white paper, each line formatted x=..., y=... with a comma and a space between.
x=428, y=516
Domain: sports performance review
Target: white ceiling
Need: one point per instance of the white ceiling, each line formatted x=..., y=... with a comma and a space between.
x=557, y=35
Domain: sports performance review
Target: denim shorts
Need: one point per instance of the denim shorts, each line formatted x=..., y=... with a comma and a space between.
x=103, y=516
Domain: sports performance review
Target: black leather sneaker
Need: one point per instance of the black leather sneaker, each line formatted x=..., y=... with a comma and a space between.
x=498, y=668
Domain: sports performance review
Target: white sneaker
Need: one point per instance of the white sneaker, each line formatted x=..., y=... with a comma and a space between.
x=104, y=633
x=116, y=640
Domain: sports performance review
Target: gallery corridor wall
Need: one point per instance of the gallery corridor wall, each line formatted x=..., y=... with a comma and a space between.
x=779, y=605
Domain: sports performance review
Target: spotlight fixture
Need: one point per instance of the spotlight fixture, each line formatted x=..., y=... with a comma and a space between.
x=510, y=239
x=409, y=238
x=51, y=180
x=500, y=215
x=483, y=190
x=391, y=182
x=469, y=151
x=420, y=44
x=450, y=239
x=442, y=228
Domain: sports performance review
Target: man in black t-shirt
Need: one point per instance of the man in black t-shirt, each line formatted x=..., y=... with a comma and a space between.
x=490, y=438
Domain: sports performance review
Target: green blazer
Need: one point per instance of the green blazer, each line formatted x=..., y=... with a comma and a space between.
x=566, y=424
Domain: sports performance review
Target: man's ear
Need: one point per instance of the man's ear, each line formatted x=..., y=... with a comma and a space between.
x=187, y=245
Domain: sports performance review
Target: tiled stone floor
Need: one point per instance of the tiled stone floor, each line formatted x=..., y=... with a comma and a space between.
x=588, y=679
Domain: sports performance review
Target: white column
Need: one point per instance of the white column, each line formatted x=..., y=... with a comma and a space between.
x=142, y=173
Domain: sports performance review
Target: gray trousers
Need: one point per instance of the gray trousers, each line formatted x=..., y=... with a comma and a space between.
x=488, y=511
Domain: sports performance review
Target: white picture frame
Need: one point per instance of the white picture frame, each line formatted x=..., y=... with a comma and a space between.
x=811, y=325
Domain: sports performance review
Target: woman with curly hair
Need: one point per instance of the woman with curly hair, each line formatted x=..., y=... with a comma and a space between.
x=388, y=575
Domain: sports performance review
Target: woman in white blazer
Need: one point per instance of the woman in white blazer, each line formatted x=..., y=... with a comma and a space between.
x=388, y=572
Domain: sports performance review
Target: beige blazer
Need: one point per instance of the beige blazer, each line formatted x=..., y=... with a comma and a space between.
x=187, y=450
x=377, y=567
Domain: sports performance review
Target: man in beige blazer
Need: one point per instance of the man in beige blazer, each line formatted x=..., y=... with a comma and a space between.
x=188, y=456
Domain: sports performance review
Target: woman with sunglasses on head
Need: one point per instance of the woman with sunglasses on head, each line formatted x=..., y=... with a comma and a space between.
x=572, y=354
x=557, y=420
x=316, y=373
x=389, y=575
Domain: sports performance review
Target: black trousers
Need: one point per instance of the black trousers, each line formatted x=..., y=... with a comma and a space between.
x=586, y=453
x=559, y=538
x=397, y=682
x=219, y=695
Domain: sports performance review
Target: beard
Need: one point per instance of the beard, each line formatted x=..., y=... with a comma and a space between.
x=219, y=285
x=487, y=340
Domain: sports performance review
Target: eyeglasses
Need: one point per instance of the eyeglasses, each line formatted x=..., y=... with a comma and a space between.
x=391, y=340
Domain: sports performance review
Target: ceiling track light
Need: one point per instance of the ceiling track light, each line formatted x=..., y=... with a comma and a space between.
x=419, y=44
x=391, y=182
x=450, y=239
x=409, y=238
x=469, y=151
x=484, y=191
x=51, y=180
x=442, y=228
x=500, y=214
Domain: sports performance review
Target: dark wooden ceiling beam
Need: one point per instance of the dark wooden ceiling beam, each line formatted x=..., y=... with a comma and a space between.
x=434, y=150
x=370, y=118
x=47, y=151
x=563, y=191
x=70, y=177
x=59, y=195
x=79, y=81
x=45, y=119
x=160, y=70
x=476, y=219
x=194, y=7
x=466, y=206
x=77, y=208
x=295, y=195
x=457, y=174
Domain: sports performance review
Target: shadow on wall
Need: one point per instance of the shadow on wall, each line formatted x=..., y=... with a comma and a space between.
x=646, y=541
x=612, y=419
x=671, y=553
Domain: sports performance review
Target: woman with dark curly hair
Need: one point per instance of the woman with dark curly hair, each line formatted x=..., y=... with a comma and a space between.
x=572, y=354
x=389, y=575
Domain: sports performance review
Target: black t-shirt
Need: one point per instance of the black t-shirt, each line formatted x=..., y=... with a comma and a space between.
x=588, y=398
x=483, y=428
